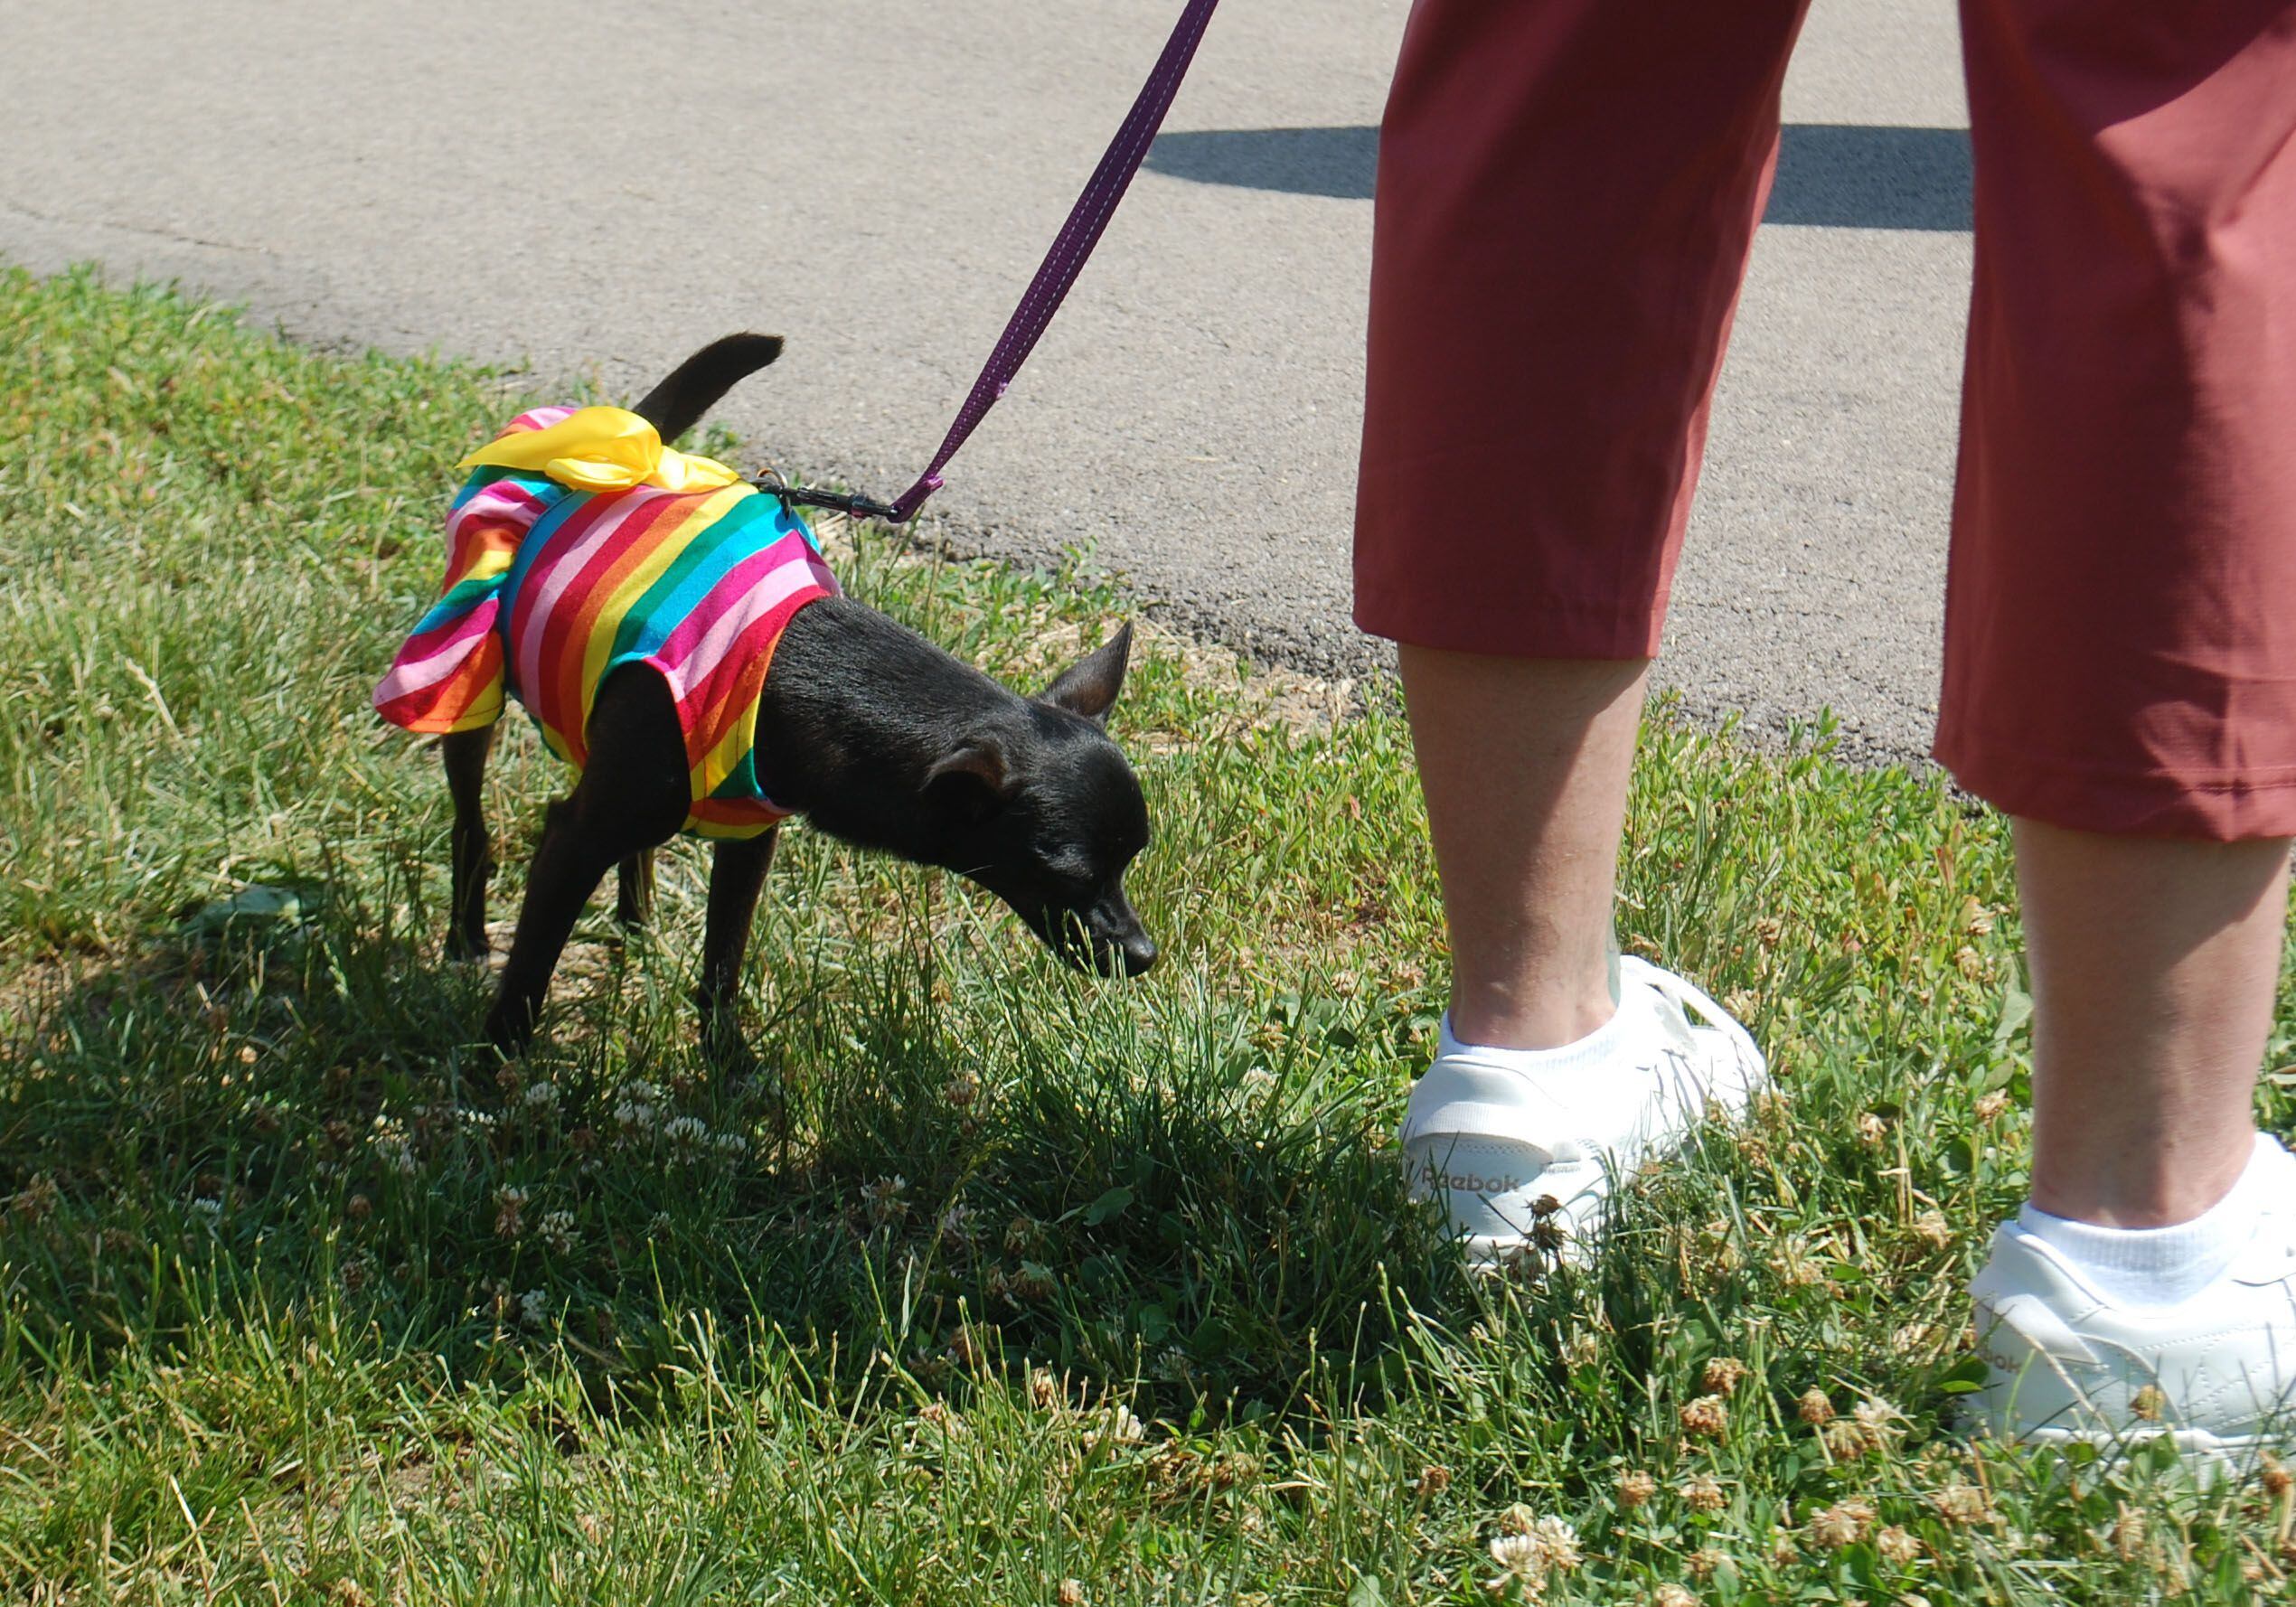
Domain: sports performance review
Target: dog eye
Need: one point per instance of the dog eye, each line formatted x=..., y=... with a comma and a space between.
x=1072, y=874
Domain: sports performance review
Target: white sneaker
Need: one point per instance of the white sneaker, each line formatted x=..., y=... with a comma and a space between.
x=2216, y=1373
x=1521, y=1146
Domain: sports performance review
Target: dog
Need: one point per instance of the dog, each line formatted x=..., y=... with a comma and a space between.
x=865, y=729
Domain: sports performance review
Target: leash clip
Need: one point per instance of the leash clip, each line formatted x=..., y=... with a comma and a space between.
x=851, y=504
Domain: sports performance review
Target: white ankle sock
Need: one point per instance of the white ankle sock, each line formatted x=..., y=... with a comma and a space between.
x=1591, y=1051
x=2162, y=1266
x=1585, y=1055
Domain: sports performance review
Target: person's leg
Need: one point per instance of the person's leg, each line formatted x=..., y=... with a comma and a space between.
x=1566, y=193
x=2157, y=1252
x=1559, y=1065
x=2121, y=681
x=1524, y=764
x=2154, y=962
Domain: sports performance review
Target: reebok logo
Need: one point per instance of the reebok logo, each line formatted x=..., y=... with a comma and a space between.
x=1470, y=1183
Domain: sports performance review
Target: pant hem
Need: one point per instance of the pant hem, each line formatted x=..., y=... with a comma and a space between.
x=1553, y=629
x=2222, y=809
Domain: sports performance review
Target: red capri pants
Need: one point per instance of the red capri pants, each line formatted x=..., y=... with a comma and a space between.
x=1566, y=192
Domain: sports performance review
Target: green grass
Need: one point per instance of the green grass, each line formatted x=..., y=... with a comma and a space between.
x=1005, y=1278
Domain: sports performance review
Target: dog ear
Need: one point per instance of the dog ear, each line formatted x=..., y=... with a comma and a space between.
x=1090, y=686
x=975, y=773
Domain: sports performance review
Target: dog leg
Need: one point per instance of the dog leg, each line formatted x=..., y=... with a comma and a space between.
x=736, y=874
x=634, y=893
x=632, y=799
x=568, y=863
x=465, y=753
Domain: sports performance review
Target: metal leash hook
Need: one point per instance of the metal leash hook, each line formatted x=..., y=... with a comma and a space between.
x=851, y=504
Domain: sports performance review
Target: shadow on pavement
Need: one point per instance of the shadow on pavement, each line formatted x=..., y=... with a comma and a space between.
x=1830, y=174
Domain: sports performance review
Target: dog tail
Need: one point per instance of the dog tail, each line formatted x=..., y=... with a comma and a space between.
x=677, y=404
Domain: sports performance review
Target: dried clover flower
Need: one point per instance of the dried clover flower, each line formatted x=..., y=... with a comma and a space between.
x=1963, y=1504
x=1845, y=1523
x=510, y=1212
x=1707, y=1417
x=2127, y=1534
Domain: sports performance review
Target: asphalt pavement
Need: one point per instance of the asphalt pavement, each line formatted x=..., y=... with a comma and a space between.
x=594, y=191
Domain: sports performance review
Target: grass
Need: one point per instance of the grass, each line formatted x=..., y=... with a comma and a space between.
x=1007, y=1286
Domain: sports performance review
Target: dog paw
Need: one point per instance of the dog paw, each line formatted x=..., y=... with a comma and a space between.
x=510, y=1028
x=460, y=950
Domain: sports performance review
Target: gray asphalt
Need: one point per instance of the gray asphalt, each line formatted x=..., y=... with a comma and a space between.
x=877, y=179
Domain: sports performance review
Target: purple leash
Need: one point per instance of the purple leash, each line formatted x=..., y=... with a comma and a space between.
x=1061, y=265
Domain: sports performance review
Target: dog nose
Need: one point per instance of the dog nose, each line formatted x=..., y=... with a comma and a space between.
x=1139, y=952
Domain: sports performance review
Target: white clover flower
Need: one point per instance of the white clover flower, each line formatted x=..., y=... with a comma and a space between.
x=883, y=1198
x=640, y=1105
x=1875, y=1413
x=388, y=1137
x=208, y=1212
x=557, y=1228
x=686, y=1131
x=1558, y=1543
x=534, y=1308
x=1519, y=1555
x=1114, y=1427
x=540, y=1096
x=733, y=1145
x=1531, y=1548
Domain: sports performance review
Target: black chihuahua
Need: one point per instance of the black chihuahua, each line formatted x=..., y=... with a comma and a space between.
x=866, y=728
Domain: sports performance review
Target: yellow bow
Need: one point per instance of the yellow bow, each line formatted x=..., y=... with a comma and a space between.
x=603, y=449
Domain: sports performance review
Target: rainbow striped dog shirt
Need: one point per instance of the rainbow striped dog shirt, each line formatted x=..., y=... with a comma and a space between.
x=581, y=544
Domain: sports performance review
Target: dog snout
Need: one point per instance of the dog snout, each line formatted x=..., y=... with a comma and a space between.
x=1102, y=939
x=1118, y=937
x=1139, y=951
x=1126, y=954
